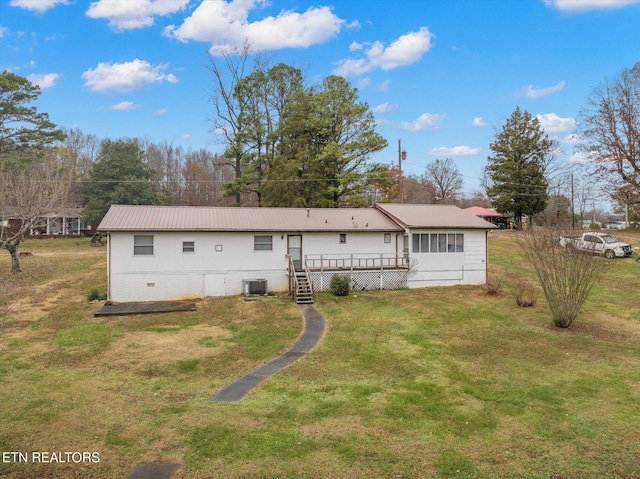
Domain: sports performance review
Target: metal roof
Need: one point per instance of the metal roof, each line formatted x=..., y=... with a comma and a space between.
x=433, y=216
x=201, y=218
x=483, y=212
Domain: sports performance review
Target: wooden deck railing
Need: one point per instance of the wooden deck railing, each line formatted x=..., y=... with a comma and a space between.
x=350, y=262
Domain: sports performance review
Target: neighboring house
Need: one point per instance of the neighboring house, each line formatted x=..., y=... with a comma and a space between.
x=487, y=214
x=62, y=222
x=175, y=252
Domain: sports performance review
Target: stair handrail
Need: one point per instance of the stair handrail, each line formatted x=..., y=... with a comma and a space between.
x=306, y=272
x=293, y=280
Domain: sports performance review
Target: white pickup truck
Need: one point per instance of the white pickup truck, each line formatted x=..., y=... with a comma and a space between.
x=597, y=243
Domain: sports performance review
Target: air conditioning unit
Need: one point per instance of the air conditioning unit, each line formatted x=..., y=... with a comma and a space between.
x=254, y=287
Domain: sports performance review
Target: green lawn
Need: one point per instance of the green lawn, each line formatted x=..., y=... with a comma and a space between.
x=433, y=383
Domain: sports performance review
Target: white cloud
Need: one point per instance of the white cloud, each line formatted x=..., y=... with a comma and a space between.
x=406, y=50
x=426, y=120
x=125, y=77
x=226, y=25
x=122, y=106
x=462, y=150
x=478, y=121
x=44, y=80
x=129, y=15
x=585, y=5
x=552, y=123
x=384, y=86
x=187, y=136
x=536, y=92
x=581, y=158
x=385, y=107
x=3, y=31
x=572, y=139
x=353, y=67
x=363, y=83
x=39, y=6
x=159, y=112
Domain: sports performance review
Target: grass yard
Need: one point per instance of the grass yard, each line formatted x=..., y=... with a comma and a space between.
x=431, y=383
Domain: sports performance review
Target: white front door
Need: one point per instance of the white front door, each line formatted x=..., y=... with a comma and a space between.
x=294, y=249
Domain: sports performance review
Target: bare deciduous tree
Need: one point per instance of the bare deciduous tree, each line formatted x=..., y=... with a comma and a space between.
x=446, y=180
x=566, y=276
x=610, y=126
x=25, y=196
x=584, y=194
x=228, y=67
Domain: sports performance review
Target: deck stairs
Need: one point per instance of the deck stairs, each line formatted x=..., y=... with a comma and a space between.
x=303, y=293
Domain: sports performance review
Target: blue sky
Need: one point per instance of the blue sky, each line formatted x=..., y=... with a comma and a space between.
x=441, y=75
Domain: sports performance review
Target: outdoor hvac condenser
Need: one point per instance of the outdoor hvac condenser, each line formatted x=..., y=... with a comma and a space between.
x=254, y=287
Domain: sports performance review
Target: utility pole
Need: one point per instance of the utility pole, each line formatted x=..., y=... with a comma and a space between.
x=573, y=215
x=402, y=155
x=626, y=213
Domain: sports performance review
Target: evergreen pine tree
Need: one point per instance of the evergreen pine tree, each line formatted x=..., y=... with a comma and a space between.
x=516, y=170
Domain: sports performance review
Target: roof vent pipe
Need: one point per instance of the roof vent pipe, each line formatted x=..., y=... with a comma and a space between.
x=308, y=211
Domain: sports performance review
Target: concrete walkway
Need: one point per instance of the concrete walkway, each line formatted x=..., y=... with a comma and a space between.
x=313, y=330
x=154, y=471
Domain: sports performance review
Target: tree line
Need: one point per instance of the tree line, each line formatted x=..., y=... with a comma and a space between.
x=290, y=144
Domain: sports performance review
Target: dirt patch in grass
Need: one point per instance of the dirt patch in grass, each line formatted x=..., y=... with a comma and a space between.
x=141, y=349
x=37, y=306
x=606, y=327
x=31, y=302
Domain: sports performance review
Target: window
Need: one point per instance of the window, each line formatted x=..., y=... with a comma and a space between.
x=263, y=243
x=343, y=238
x=459, y=243
x=142, y=245
x=188, y=247
x=455, y=243
x=442, y=243
x=438, y=243
x=434, y=243
x=421, y=243
x=387, y=237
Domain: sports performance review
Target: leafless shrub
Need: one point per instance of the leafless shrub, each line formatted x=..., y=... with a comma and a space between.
x=493, y=287
x=566, y=276
x=524, y=293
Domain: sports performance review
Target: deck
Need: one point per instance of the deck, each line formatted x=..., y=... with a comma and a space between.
x=355, y=262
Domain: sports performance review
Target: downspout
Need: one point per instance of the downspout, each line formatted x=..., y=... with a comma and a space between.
x=486, y=256
x=108, y=267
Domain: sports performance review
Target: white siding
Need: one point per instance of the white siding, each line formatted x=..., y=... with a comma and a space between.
x=447, y=269
x=219, y=264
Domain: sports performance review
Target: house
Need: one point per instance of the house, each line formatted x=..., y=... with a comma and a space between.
x=63, y=222
x=178, y=252
x=487, y=214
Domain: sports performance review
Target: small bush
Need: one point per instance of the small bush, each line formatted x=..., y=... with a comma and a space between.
x=494, y=287
x=340, y=285
x=96, y=295
x=566, y=277
x=524, y=294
